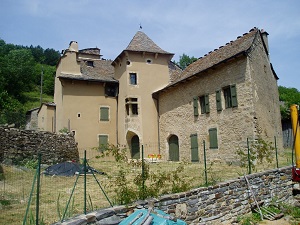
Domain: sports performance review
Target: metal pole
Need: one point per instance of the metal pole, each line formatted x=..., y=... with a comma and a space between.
x=84, y=192
x=38, y=190
x=205, y=169
x=30, y=197
x=143, y=172
x=249, y=161
x=276, y=152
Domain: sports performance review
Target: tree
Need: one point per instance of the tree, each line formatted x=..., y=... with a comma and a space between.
x=185, y=61
x=17, y=70
x=287, y=96
x=51, y=57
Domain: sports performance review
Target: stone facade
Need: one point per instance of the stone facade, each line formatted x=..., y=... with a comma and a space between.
x=257, y=113
x=218, y=204
x=18, y=145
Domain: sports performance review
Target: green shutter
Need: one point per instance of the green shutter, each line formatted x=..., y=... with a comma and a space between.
x=104, y=113
x=213, y=138
x=195, y=100
x=218, y=100
x=103, y=141
x=206, y=99
x=233, y=95
x=194, y=148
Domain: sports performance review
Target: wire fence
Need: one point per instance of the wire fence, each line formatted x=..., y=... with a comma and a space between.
x=28, y=196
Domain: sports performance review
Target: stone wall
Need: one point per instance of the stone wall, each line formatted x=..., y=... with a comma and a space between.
x=257, y=113
x=18, y=145
x=217, y=204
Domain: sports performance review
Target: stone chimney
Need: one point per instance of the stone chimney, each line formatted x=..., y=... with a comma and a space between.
x=73, y=46
x=264, y=35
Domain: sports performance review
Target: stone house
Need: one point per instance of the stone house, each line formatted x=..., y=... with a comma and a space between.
x=142, y=98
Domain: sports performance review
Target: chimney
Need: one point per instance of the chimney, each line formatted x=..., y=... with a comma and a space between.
x=264, y=35
x=73, y=46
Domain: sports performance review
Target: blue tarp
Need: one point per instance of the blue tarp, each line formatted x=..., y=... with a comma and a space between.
x=153, y=217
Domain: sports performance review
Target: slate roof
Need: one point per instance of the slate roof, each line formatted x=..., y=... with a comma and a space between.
x=101, y=71
x=234, y=48
x=142, y=43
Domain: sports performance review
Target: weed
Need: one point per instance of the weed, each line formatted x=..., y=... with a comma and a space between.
x=260, y=152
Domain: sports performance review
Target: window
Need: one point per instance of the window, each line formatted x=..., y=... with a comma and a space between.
x=78, y=115
x=111, y=90
x=103, y=142
x=213, y=138
x=90, y=63
x=133, y=78
x=131, y=106
x=104, y=114
x=230, y=96
x=204, y=104
x=148, y=61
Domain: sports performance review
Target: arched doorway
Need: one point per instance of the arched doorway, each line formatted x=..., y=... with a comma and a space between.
x=135, y=147
x=173, y=148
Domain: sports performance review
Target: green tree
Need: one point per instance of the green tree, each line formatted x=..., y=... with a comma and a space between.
x=287, y=96
x=51, y=57
x=17, y=70
x=185, y=61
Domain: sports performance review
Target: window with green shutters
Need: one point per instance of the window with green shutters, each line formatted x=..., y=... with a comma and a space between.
x=230, y=96
x=195, y=105
x=104, y=114
x=194, y=148
x=218, y=100
x=103, y=141
x=213, y=138
x=204, y=104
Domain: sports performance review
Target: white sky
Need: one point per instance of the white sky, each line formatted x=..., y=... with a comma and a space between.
x=193, y=27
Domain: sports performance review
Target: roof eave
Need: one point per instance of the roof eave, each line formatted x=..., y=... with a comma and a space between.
x=244, y=52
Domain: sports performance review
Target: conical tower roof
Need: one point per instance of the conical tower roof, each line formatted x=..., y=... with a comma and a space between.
x=142, y=43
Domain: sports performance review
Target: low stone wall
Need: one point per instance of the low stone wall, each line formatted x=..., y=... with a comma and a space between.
x=17, y=145
x=217, y=204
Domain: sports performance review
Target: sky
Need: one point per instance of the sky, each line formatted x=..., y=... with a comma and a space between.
x=191, y=27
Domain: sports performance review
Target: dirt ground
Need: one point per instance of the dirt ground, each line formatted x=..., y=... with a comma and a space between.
x=282, y=221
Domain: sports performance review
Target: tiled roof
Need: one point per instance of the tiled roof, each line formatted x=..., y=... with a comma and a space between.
x=223, y=53
x=142, y=43
x=101, y=71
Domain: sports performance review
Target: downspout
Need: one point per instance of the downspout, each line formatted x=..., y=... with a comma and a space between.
x=158, y=128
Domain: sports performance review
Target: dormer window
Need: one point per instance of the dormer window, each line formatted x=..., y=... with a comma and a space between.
x=90, y=63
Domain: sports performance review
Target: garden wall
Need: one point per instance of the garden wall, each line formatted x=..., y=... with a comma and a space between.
x=207, y=205
x=17, y=145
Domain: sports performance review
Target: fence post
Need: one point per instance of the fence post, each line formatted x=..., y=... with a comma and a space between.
x=143, y=173
x=37, y=211
x=84, y=192
x=249, y=163
x=276, y=152
x=30, y=197
x=205, y=169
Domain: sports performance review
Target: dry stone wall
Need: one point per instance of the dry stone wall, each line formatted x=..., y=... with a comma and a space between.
x=217, y=204
x=18, y=145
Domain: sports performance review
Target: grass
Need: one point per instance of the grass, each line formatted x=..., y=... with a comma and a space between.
x=56, y=191
x=33, y=99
